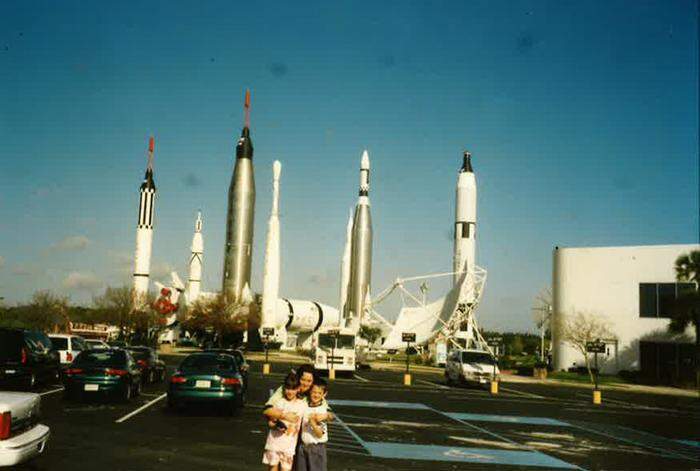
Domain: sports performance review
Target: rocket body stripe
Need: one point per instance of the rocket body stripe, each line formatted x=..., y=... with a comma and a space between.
x=465, y=220
x=238, y=249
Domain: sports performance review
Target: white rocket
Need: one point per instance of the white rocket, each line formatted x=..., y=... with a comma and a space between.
x=194, y=283
x=345, y=266
x=271, y=271
x=144, y=230
x=360, y=253
x=465, y=221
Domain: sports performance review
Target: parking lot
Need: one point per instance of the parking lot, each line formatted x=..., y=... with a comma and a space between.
x=384, y=425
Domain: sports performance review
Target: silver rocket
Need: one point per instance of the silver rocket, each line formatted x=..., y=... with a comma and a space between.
x=271, y=273
x=465, y=220
x=360, y=253
x=194, y=282
x=238, y=250
x=144, y=230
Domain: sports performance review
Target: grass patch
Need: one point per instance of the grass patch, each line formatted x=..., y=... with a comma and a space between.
x=579, y=378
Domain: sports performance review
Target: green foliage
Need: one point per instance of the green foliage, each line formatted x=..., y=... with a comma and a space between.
x=219, y=315
x=685, y=310
x=369, y=333
x=46, y=311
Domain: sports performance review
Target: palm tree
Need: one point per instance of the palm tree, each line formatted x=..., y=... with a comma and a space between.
x=686, y=309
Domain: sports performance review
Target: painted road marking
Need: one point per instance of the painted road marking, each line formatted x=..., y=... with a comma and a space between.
x=522, y=393
x=510, y=419
x=356, y=376
x=143, y=407
x=690, y=443
x=380, y=404
x=408, y=451
x=51, y=392
x=431, y=383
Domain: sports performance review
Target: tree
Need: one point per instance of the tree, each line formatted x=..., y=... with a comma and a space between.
x=543, y=315
x=579, y=329
x=115, y=307
x=369, y=333
x=685, y=310
x=47, y=312
x=220, y=315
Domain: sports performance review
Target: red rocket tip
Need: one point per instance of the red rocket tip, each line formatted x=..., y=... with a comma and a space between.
x=151, y=144
x=247, y=108
x=247, y=98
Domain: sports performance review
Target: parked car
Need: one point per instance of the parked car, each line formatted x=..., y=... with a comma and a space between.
x=241, y=362
x=207, y=377
x=471, y=366
x=97, y=344
x=152, y=368
x=26, y=359
x=22, y=437
x=111, y=373
x=117, y=344
x=68, y=347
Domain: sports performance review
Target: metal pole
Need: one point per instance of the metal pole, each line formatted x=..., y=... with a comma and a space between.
x=408, y=346
x=267, y=340
x=596, y=370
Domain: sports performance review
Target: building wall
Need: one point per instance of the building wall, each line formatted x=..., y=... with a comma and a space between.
x=605, y=281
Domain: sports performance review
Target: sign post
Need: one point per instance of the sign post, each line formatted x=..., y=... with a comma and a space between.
x=494, y=342
x=596, y=347
x=408, y=337
x=330, y=361
x=267, y=333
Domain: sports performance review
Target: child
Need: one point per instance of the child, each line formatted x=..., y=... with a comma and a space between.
x=314, y=431
x=283, y=434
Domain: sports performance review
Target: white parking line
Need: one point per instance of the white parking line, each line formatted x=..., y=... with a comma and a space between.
x=522, y=393
x=430, y=383
x=356, y=376
x=51, y=392
x=145, y=406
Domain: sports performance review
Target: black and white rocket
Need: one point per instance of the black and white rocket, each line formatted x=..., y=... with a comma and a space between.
x=238, y=251
x=144, y=229
x=360, y=253
x=194, y=282
x=465, y=222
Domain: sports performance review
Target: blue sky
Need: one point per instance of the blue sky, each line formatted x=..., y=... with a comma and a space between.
x=582, y=118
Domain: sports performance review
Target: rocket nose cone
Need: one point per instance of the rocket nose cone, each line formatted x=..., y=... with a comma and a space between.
x=276, y=169
x=364, y=164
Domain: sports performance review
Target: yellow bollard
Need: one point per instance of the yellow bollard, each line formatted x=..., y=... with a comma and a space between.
x=597, y=399
x=407, y=379
x=331, y=374
x=266, y=368
x=494, y=387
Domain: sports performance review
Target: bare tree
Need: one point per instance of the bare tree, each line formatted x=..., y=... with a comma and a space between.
x=47, y=312
x=542, y=311
x=581, y=328
x=116, y=307
x=219, y=314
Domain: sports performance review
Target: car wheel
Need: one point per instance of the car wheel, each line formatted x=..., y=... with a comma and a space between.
x=31, y=382
x=161, y=377
x=448, y=380
x=151, y=377
x=240, y=399
x=137, y=391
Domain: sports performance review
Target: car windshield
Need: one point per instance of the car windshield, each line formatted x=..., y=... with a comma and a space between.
x=344, y=341
x=477, y=357
x=139, y=354
x=59, y=343
x=209, y=362
x=108, y=359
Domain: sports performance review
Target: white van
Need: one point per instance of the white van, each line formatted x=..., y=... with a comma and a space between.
x=22, y=437
x=471, y=366
x=68, y=347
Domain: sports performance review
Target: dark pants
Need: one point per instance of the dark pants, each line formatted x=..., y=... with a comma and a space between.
x=311, y=457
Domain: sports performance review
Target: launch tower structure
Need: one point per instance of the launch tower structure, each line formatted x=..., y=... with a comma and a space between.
x=194, y=282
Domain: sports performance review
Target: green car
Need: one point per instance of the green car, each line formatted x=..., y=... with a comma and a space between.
x=207, y=378
x=112, y=373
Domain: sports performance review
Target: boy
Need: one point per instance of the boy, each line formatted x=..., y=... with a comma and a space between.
x=314, y=431
x=283, y=434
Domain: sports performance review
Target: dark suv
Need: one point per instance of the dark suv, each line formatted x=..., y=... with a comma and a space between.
x=26, y=358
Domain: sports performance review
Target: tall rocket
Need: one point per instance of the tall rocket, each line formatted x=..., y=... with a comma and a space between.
x=345, y=265
x=194, y=282
x=271, y=273
x=238, y=250
x=144, y=229
x=360, y=252
x=465, y=220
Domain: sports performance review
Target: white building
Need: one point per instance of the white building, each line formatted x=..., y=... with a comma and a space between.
x=629, y=288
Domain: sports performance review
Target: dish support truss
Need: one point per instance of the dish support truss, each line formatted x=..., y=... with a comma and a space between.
x=451, y=318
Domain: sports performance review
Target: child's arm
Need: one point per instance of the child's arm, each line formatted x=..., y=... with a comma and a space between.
x=316, y=425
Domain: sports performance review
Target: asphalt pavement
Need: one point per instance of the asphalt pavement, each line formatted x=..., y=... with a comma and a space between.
x=383, y=425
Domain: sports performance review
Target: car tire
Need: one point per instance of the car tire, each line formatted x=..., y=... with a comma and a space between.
x=448, y=380
x=137, y=391
x=151, y=377
x=161, y=377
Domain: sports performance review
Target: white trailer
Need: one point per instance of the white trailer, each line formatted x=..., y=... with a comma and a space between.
x=335, y=347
